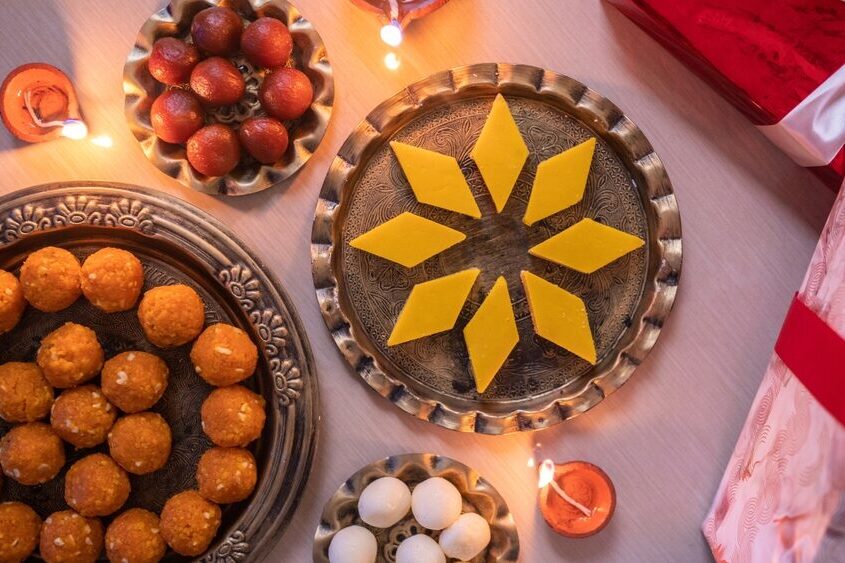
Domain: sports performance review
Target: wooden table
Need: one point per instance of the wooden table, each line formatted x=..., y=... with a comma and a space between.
x=750, y=217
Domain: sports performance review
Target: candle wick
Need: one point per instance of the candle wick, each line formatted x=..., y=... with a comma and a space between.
x=27, y=100
x=559, y=490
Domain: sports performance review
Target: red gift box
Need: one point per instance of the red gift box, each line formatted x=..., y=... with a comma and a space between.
x=780, y=62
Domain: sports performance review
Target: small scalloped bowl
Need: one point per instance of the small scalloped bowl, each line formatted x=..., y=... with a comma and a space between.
x=309, y=56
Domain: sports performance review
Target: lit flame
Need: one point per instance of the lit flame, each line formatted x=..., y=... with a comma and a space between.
x=74, y=129
x=547, y=473
x=392, y=34
x=391, y=61
x=102, y=141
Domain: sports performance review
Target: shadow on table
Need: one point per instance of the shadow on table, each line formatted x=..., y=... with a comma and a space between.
x=680, y=91
x=30, y=35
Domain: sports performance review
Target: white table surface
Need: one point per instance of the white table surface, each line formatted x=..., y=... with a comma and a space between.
x=750, y=221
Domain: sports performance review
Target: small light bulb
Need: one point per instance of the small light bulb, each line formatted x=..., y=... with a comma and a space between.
x=392, y=34
x=74, y=129
x=391, y=61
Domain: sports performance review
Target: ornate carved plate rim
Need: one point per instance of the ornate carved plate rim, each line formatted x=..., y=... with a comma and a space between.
x=608, y=122
x=433, y=465
x=155, y=214
x=139, y=87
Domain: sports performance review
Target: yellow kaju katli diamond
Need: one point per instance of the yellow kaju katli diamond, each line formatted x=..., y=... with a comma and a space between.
x=434, y=306
x=559, y=316
x=500, y=153
x=436, y=179
x=491, y=335
x=408, y=239
x=560, y=182
x=587, y=246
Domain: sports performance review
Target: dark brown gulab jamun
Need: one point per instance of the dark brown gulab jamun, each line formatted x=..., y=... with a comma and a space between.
x=286, y=93
x=176, y=115
x=265, y=138
x=217, y=82
x=266, y=42
x=171, y=61
x=217, y=31
x=214, y=150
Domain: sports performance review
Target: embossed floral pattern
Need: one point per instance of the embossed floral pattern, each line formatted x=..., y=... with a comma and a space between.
x=242, y=284
x=231, y=550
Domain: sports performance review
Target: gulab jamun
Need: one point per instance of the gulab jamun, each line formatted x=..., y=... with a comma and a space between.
x=31, y=453
x=224, y=355
x=82, y=416
x=172, y=60
x=214, y=150
x=68, y=537
x=12, y=301
x=267, y=43
x=286, y=93
x=233, y=416
x=112, y=279
x=217, y=82
x=189, y=523
x=135, y=537
x=226, y=475
x=265, y=138
x=25, y=396
x=134, y=381
x=140, y=443
x=96, y=486
x=20, y=527
x=70, y=355
x=176, y=115
x=171, y=315
x=50, y=279
x=217, y=31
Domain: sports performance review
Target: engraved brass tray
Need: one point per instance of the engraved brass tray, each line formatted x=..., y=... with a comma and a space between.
x=360, y=295
x=309, y=56
x=479, y=496
x=176, y=243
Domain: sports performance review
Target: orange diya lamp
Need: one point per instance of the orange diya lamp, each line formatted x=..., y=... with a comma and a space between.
x=577, y=499
x=38, y=103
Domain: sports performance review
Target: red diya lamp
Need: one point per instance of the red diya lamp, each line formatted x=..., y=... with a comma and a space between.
x=38, y=103
x=577, y=499
x=397, y=14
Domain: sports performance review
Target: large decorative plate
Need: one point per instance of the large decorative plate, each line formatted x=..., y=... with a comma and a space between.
x=479, y=496
x=309, y=56
x=176, y=243
x=361, y=295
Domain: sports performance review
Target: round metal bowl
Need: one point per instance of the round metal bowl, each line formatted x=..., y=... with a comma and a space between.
x=176, y=243
x=361, y=295
x=309, y=56
x=479, y=496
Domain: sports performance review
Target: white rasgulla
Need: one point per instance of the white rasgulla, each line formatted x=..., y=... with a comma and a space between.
x=436, y=503
x=353, y=544
x=419, y=549
x=384, y=502
x=467, y=537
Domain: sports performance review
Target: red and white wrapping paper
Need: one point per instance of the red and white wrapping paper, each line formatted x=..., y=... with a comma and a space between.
x=782, y=497
x=780, y=62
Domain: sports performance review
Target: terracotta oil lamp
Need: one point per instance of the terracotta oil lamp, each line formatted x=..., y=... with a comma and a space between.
x=38, y=103
x=577, y=499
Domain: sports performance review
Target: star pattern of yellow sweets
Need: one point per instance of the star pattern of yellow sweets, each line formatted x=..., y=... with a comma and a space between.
x=434, y=306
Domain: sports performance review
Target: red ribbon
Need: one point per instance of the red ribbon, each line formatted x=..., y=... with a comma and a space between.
x=815, y=353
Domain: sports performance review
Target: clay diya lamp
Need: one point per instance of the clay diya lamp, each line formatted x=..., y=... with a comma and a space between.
x=38, y=103
x=577, y=499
